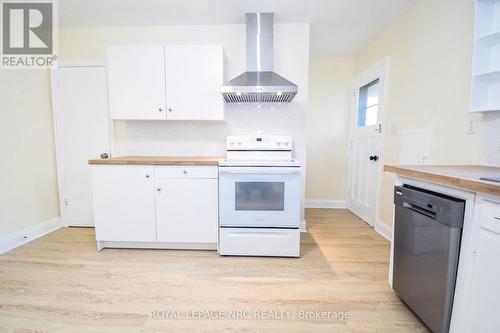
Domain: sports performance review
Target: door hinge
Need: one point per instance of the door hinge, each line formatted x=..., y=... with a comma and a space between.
x=66, y=202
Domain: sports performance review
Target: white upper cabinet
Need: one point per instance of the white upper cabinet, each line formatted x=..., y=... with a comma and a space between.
x=136, y=76
x=174, y=82
x=485, y=94
x=194, y=76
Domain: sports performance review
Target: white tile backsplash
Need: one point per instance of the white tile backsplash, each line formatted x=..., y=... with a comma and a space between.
x=190, y=138
x=491, y=138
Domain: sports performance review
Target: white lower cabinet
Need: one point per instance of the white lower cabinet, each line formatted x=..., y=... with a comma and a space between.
x=483, y=294
x=186, y=210
x=156, y=206
x=124, y=203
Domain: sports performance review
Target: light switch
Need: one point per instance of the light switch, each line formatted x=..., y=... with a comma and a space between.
x=395, y=129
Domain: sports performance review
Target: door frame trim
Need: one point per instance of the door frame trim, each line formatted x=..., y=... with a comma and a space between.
x=379, y=70
x=54, y=78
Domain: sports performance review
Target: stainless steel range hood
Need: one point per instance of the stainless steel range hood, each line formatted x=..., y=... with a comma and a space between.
x=259, y=83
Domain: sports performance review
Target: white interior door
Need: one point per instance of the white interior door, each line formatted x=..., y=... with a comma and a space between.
x=82, y=133
x=365, y=142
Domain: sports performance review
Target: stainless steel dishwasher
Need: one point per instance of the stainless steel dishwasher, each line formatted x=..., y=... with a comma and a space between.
x=427, y=233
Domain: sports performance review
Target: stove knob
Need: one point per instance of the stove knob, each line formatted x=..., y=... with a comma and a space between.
x=239, y=143
x=278, y=143
x=286, y=143
x=231, y=143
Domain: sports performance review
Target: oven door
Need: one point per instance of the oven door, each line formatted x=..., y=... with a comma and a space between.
x=263, y=197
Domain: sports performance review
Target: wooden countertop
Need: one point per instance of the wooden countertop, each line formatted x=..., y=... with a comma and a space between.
x=463, y=176
x=158, y=160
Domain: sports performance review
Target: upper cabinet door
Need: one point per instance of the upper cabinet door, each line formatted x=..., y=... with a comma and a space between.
x=136, y=77
x=194, y=76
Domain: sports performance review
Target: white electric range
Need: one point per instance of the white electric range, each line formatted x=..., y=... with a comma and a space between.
x=260, y=188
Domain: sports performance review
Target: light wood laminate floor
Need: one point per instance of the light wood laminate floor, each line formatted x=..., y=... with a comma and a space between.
x=60, y=283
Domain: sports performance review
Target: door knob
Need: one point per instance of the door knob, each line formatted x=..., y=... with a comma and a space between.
x=374, y=158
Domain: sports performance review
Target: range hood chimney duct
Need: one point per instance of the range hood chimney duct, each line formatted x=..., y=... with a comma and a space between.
x=259, y=83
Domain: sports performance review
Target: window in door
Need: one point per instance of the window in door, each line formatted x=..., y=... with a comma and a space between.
x=368, y=104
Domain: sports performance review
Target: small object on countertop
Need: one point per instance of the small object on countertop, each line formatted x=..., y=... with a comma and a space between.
x=104, y=155
x=491, y=179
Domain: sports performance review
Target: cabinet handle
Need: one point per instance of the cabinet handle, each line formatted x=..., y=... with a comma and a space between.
x=158, y=189
x=169, y=109
x=497, y=218
x=160, y=109
x=185, y=172
x=147, y=176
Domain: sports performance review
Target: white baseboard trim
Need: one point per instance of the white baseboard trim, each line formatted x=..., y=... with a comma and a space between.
x=383, y=229
x=156, y=245
x=24, y=236
x=325, y=203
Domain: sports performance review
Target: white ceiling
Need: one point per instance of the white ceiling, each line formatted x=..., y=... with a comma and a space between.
x=338, y=27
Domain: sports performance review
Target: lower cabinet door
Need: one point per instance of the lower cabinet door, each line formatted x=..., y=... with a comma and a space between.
x=186, y=210
x=484, y=291
x=124, y=203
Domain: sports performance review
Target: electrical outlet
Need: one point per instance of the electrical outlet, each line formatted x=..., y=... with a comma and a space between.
x=472, y=124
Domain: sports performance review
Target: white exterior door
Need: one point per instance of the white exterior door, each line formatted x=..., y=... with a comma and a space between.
x=137, y=82
x=124, y=203
x=186, y=210
x=82, y=132
x=365, y=142
x=194, y=75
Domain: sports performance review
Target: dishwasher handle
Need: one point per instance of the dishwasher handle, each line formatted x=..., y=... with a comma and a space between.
x=420, y=210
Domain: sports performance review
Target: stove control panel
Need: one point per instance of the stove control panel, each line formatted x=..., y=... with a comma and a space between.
x=259, y=142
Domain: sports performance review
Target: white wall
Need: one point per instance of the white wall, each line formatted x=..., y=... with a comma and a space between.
x=330, y=82
x=28, y=173
x=430, y=50
x=491, y=139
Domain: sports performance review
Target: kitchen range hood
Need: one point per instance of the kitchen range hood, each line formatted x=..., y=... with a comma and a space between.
x=259, y=83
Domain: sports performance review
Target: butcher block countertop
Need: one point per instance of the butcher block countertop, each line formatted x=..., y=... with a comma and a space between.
x=158, y=160
x=463, y=176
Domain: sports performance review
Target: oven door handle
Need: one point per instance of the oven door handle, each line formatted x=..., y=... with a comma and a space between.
x=250, y=171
